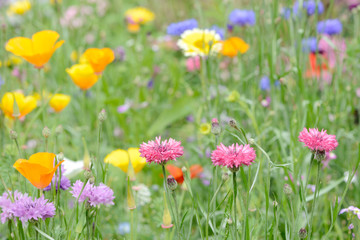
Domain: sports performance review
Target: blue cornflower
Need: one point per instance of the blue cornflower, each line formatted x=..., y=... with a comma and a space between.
x=219, y=31
x=242, y=17
x=329, y=26
x=286, y=13
x=176, y=29
x=265, y=83
x=309, y=7
x=309, y=44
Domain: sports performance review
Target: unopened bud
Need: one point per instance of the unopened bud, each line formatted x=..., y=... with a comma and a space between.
x=59, y=129
x=102, y=116
x=251, y=141
x=229, y=221
x=232, y=123
x=184, y=169
x=166, y=216
x=319, y=155
x=302, y=233
x=215, y=127
x=275, y=204
x=60, y=157
x=287, y=189
x=46, y=132
x=225, y=176
x=88, y=174
x=13, y=134
x=171, y=183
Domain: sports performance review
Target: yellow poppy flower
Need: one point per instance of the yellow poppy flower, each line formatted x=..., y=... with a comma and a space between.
x=39, y=169
x=24, y=105
x=120, y=158
x=234, y=45
x=139, y=15
x=199, y=42
x=37, y=50
x=59, y=101
x=205, y=128
x=83, y=75
x=99, y=58
x=19, y=7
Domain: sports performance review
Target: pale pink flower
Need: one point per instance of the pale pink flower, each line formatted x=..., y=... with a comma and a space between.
x=233, y=156
x=193, y=64
x=333, y=49
x=161, y=151
x=318, y=141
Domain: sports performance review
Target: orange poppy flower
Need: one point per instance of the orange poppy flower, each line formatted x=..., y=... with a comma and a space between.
x=176, y=172
x=99, y=58
x=37, y=50
x=83, y=75
x=39, y=169
x=315, y=69
x=232, y=46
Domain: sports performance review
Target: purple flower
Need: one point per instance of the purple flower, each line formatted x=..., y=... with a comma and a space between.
x=125, y=107
x=64, y=182
x=352, y=209
x=25, y=208
x=242, y=17
x=176, y=29
x=119, y=54
x=351, y=226
x=286, y=13
x=309, y=7
x=265, y=83
x=329, y=26
x=219, y=31
x=309, y=45
x=94, y=195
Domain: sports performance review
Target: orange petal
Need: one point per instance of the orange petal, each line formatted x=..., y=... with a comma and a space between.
x=44, y=41
x=176, y=173
x=45, y=159
x=195, y=170
x=19, y=46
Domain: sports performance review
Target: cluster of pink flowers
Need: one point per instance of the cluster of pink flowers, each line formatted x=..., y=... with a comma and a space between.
x=161, y=152
x=318, y=141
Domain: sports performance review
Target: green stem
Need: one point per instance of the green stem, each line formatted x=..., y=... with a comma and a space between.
x=132, y=226
x=234, y=207
x=315, y=196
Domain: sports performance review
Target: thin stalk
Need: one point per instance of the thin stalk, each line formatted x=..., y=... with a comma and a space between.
x=169, y=200
x=315, y=196
x=234, y=207
x=132, y=231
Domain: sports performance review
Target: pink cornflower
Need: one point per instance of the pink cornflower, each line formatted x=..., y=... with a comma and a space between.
x=161, y=151
x=233, y=156
x=318, y=141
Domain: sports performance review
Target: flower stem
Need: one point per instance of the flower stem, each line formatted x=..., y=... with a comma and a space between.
x=132, y=227
x=315, y=196
x=234, y=207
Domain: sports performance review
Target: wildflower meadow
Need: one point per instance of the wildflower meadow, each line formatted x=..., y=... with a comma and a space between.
x=174, y=120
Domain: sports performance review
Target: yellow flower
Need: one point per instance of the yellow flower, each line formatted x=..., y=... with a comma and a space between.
x=82, y=75
x=234, y=45
x=37, y=50
x=199, y=42
x=59, y=101
x=0, y=64
x=24, y=105
x=13, y=61
x=205, y=128
x=99, y=58
x=120, y=158
x=233, y=96
x=19, y=7
x=139, y=15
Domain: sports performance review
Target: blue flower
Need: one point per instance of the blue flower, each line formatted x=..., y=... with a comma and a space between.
x=219, y=31
x=176, y=29
x=286, y=13
x=330, y=27
x=242, y=17
x=309, y=6
x=309, y=45
x=265, y=83
x=124, y=228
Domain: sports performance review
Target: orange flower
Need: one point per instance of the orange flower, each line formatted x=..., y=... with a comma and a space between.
x=37, y=50
x=82, y=75
x=59, y=101
x=315, y=70
x=39, y=169
x=23, y=106
x=233, y=45
x=176, y=172
x=99, y=58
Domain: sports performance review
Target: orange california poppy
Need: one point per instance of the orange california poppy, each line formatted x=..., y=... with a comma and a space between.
x=232, y=46
x=59, y=101
x=37, y=50
x=176, y=172
x=39, y=169
x=83, y=75
x=24, y=105
x=99, y=58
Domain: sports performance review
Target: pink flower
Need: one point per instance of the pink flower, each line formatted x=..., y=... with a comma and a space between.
x=318, y=141
x=334, y=53
x=233, y=156
x=193, y=64
x=161, y=151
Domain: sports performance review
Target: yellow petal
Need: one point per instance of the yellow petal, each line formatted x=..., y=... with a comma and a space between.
x=19, y=46
x=59, y=101
x=137, y=162
x=43, y=158
x=44, y=41
x=119, y=158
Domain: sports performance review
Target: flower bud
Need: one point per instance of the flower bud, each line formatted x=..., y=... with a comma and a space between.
x=46, y=132
x=287, y=189
x=320, y=155
x=13, y=134
x=59, y=129
x=225, y=176
x=229, y=221
x=215, y=127
x=166, y=217
x=251, y=141
x=184, y=169
x=60, y=157
x=102, y=116
x=130, y=198
x=88, y=174
x=232, y=123
x=302, y=233
x=171, y=183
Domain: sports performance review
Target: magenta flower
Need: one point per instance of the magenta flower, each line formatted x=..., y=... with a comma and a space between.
x=161, y=151
x=233, y=156
x=318, y=141
x=94, y=195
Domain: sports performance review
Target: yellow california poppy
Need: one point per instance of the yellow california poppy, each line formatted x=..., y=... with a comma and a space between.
x=19, y=7
x=120, y=158
x=83, y=75
x=234, y=45
x=37, y=50
x=139, y=15
x=39, y=169
x=24, y=105
x=59, y=101
x=99, y=58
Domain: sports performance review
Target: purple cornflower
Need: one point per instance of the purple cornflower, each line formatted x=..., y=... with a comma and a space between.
x=309, y=45
x=176, y=29
x=64, y=181
x=94, y=195
x=265, y=83
x=329, y=26
x=219, y=31
x=25, y=208
x=242, y=17
x=309, y=7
